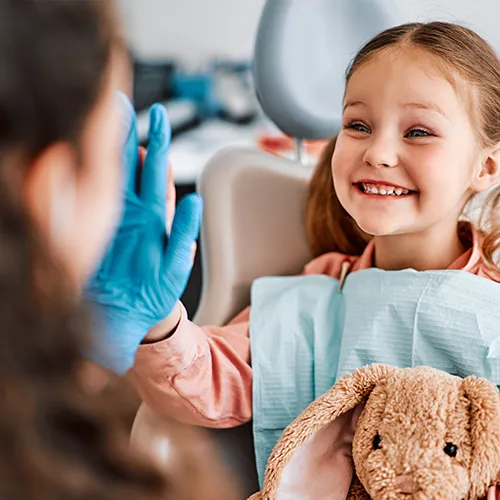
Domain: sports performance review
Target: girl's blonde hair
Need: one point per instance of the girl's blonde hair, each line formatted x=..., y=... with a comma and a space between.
x=462, y=56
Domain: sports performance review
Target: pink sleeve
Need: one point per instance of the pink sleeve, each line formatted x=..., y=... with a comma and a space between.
x=329, y=264
x=200, y=376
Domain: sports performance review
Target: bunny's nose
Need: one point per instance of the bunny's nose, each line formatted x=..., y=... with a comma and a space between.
x=405, y=484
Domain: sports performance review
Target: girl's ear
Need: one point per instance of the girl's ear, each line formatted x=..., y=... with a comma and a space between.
x=489, y=173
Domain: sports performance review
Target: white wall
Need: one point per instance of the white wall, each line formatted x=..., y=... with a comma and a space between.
x=481, y=15
x=194, y=30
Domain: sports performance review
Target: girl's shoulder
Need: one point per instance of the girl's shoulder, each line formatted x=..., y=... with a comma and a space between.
x=329, y=264
x=477, y=264
x=487, y=272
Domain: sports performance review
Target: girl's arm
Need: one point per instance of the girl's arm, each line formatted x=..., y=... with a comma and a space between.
x=200, y=376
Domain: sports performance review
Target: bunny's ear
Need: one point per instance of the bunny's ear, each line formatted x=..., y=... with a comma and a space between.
x=484, y=418
x=311, y=459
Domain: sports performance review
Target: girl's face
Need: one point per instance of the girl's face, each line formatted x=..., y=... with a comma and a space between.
x=407, y=155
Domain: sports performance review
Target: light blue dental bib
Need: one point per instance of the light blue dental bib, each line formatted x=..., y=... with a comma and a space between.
x=305, y=334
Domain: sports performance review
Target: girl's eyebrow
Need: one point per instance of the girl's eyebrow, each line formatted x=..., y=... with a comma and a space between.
x=429, y=106
x=353, y=103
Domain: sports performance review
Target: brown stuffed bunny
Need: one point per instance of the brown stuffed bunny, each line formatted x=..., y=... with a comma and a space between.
x=413, y=433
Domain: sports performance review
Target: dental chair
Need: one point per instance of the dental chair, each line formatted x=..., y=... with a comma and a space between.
x=252, y=226
x=253, y=201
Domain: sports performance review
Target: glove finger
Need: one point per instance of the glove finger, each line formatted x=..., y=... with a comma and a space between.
x=131, y=148
x=171, y=199
x=178, y=254
x=155, y=168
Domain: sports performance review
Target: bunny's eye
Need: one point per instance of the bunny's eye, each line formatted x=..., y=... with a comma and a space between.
x=451, y=450
x=377, y=440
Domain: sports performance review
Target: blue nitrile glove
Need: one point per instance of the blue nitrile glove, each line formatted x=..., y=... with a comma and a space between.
x=145, y=271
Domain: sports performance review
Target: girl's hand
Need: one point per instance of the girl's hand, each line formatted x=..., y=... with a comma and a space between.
x=493, y=493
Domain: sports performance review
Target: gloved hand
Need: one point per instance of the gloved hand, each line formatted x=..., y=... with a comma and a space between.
x=145, y=270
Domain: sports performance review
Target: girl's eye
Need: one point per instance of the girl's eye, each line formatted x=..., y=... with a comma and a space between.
x=358, y=126
x=418, y=132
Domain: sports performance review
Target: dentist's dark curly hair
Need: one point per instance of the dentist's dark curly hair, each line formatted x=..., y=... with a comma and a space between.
x=461, y=56
x=57, y=439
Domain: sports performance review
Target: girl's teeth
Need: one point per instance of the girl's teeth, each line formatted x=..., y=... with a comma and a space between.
x=384, y=190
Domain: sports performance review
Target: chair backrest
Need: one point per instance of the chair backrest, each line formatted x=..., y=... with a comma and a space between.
x=301, y=53
x=253, y=226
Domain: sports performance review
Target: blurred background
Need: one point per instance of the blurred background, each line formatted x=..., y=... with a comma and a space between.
x=195, y=56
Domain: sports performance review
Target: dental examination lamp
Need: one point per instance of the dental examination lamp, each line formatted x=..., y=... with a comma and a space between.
x=302, y=50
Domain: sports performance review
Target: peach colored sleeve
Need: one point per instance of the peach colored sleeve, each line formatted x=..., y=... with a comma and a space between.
x=329, y=264
x=200, y=376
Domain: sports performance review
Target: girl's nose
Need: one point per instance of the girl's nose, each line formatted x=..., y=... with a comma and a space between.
x=381, y=152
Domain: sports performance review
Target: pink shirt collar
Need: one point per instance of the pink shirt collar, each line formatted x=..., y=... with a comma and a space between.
x=468, y=261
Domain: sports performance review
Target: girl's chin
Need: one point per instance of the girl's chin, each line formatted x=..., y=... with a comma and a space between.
x=377, y=228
